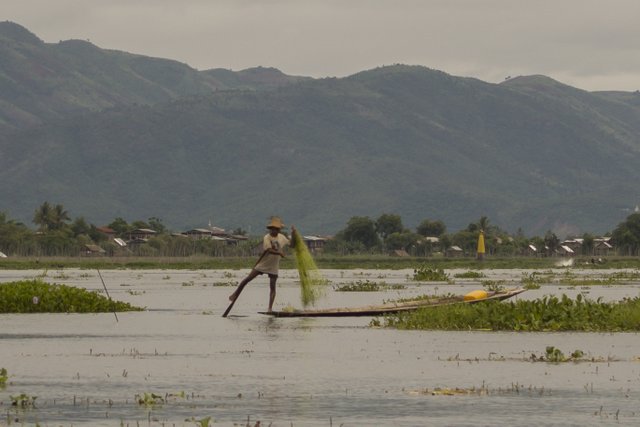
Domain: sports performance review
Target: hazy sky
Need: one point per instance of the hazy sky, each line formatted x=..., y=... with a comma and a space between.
x=590, y=44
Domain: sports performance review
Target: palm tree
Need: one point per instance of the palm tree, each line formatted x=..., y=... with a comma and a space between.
x=60, y=217
x=483, y=223
x=49, y=217
x=42, y=216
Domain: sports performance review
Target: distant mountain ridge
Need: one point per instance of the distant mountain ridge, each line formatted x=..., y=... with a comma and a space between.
x=530, y=152
x=42, y=81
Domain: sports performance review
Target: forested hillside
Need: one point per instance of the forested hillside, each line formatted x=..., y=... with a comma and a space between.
x=40, y=81
x=530, y=152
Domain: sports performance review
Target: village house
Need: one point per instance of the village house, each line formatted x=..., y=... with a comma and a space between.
x=432, y=241
x=92, y=250
x=531, y=250
x=399, y=253
x=454, y=252
x=214, y=233
x=574, y=244
x=198, y=233
x=602, y=247
x=565, y=250
x=315, y=244
x=108, y=232
x=141, y=235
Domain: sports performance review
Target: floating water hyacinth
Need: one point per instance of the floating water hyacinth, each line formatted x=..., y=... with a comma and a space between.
x=311, y=281
x=37, y=296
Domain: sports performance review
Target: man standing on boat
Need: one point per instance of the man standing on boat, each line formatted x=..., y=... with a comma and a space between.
x=273, y=245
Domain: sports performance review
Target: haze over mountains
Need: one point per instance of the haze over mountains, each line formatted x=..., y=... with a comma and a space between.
x=110, y=134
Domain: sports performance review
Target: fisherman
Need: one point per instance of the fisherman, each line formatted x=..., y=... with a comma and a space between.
x=273, y=245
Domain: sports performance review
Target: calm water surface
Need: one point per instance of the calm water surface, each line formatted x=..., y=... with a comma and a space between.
x=86, y=370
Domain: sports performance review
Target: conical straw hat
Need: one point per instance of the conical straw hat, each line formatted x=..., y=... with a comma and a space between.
x=276, y=222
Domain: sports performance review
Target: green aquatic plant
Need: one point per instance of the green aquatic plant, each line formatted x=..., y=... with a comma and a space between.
x=577, y=354
x=586, y=281
x=3, y=378
x=428, y=273
x=149, y=399
x=549, y=313
x=229, y=283
x=367, y=286
x=493, y=285
x=554, y=355
x=36, y=296
x=532, y=280
x=60, y=274
x=470, y=275
x=625, y=275
x=448, y=297
x=358, y=286
x=23, y=401
x=205, y=422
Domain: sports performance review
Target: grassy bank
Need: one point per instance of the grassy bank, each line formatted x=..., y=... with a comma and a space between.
x=36, y=296
x=322, y=261
x=546, y=314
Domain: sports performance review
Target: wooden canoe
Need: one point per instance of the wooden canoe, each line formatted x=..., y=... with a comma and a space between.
x=379, y=310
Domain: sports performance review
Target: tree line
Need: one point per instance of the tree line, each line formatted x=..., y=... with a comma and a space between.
x=57, y=234
x=363, y=234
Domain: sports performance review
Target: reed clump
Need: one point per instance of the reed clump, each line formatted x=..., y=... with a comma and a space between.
x=312, y=283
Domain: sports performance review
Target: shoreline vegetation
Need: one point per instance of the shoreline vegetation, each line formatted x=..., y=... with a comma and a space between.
x=323, y=262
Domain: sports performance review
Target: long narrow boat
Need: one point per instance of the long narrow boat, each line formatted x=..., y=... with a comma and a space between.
x=378, y=310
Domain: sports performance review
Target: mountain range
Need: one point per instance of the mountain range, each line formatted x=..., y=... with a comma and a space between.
x=111, y=134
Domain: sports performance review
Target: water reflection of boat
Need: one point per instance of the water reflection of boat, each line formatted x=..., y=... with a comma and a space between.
x=396, y=307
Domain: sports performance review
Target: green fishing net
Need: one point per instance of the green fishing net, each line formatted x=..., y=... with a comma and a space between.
x=311, y=281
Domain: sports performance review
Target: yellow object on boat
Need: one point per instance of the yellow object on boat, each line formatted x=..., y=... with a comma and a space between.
x=476, y=295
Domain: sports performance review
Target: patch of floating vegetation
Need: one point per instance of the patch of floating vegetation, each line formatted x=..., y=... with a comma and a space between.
x=36, y=296
x=535, y=279
x=427, y=273
x=444, y=298
x=367, y=286
x=607, y=279
x=470, y=275
x=4, y=376
x=546, y=314
x=483, y=390
x=23, y=401
x=493, y=285
x=227, y=283
x=551, y=355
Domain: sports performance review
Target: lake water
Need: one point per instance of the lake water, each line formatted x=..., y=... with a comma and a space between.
x=86, y=370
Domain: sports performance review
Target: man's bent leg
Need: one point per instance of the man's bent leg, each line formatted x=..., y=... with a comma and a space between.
x=252, y=275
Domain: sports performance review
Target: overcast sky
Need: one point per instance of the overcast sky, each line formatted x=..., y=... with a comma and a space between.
x=590, y=44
